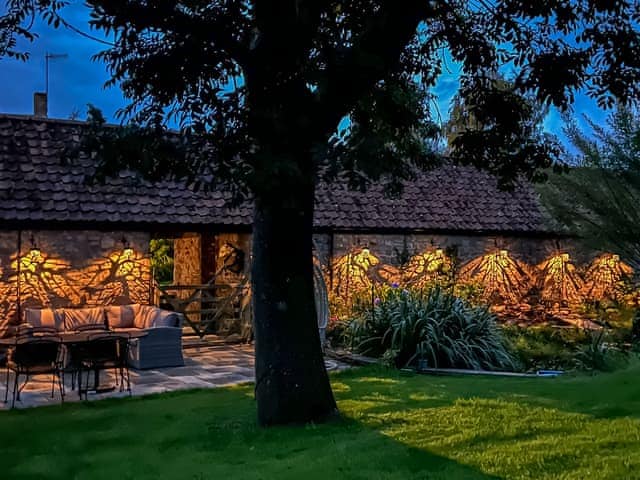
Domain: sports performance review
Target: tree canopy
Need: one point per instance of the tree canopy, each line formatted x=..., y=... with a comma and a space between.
x=598, y=201
x=490, y=142
x=364, y=64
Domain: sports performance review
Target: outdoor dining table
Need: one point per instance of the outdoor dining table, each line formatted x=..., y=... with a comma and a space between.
x=69, y=338
x=78, y=338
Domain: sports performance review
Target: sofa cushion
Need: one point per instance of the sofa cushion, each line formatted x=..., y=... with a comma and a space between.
x=152, y=317
x=78, y=317
x=131, y=330
x=146, y=316
x=121, y=316
x=165, y=318
x=44, y=317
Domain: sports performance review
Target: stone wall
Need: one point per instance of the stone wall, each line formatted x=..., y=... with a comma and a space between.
x=192, y=256
x=65, y=268
x=394, y=249
x=186, y=259
x=8, y=279
x=231, y=266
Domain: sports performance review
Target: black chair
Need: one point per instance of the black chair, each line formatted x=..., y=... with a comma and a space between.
x=102, y=351
x=71, y=365
x=34, y=354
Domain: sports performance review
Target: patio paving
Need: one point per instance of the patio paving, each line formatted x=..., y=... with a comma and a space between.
x=205, y=367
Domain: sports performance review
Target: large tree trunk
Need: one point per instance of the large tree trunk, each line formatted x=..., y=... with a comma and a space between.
x=292, y=385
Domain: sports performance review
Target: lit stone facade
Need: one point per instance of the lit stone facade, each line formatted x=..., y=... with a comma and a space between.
x=71, y=268
x=397, y=249
x=76, y=268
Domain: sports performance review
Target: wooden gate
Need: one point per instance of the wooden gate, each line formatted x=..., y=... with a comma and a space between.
x=208, y=308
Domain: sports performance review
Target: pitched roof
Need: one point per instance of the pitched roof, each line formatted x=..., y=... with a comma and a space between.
x=36, y=187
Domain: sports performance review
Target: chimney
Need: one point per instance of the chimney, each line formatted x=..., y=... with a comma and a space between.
x=40, y=104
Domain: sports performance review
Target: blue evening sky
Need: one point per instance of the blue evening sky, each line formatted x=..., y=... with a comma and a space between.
x=76, y=81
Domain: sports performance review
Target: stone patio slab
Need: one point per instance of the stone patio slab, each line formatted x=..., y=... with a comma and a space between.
x=205, y=367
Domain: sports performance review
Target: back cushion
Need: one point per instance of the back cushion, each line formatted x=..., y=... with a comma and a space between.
x=121, y=316
x=165, y=319
x=146, y=316
x=77, y=317
x=45, y=317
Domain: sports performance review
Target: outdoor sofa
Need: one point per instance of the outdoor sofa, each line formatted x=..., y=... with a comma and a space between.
x=160, y=347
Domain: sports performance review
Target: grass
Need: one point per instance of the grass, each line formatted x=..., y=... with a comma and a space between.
x=394, y=426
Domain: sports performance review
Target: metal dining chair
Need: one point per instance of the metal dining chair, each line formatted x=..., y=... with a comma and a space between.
x=34, y=353
x=103, y=351
x=72, y=350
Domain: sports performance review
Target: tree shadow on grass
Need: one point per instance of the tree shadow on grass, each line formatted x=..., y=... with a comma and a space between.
x=514, y=429
x=392, y=427
x=611, y=395
x=201, y=435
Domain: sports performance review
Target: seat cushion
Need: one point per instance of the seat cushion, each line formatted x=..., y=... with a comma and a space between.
x=126, y=330
x=79, y=317
x=44, y=317
x=121, y=316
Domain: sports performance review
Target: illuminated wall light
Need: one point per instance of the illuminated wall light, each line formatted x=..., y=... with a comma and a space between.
x=127, y=251
x=35, y=255
x=426, y=268
x=42, y=278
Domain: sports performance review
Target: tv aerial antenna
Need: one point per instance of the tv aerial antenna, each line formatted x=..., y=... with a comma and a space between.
x=47, y=57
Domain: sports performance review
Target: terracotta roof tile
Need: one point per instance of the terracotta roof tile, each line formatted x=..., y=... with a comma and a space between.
x=35, y=185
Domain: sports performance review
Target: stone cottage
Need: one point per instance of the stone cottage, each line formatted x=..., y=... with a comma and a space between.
x=64, y=242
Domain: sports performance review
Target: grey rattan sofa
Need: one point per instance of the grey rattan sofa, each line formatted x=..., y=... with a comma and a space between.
x=160, y=347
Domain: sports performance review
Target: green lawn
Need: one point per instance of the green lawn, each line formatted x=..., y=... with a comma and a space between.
x=394, y=426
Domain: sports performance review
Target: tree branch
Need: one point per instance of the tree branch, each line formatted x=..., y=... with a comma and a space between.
x=284, y=33
x=373, y=55
x=209, y=22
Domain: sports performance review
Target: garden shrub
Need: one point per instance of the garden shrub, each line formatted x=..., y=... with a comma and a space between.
x=549, y=348
x=432, y=325
x=635, y=328
x=544, y=347
x=470, y=291
x=599, y=355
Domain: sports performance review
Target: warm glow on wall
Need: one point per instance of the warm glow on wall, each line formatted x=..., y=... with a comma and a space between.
x=35, y=256
x=558, y=281
x=351, y=272
x=426, y=268
x=127, y=251
x=503, y=278
x=606, y=277
x=43, y=279
x=47, y=280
